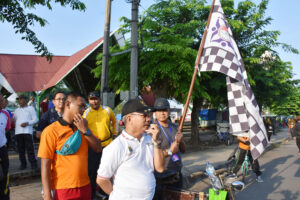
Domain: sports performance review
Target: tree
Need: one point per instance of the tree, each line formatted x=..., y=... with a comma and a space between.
x=170, y=34
x=13, y=12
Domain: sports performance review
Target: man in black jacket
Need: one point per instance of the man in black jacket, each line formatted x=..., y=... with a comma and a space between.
x=52, y=114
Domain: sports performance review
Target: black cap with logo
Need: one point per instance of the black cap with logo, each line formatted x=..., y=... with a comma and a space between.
x=136, y=105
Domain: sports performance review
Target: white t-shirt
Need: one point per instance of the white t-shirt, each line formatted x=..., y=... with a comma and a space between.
x=23, y=115
x=3, y=123
x=130, y=163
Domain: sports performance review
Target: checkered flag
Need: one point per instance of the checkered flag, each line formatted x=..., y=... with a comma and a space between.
x=220, y=53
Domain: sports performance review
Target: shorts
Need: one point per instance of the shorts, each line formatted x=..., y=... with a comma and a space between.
x=81, y=193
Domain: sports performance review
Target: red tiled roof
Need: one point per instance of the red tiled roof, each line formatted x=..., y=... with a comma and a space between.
x=34, y=73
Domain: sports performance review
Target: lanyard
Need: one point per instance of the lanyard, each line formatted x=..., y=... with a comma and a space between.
x=169, y=140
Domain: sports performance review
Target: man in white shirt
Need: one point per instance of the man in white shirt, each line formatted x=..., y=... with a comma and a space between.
x=132, y=157
x=25, y=118
x=4, y=161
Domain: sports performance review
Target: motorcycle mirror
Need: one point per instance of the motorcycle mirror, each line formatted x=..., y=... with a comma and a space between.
x=238, y=185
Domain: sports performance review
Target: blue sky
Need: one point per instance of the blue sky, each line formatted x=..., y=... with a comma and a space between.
x=69, y=31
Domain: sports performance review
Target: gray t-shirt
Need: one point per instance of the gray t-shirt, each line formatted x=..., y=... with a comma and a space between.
x=165, y=138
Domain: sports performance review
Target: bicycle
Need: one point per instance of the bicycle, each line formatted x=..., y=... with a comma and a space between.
x=223, y=133
x=229, y=185
x=245, y=166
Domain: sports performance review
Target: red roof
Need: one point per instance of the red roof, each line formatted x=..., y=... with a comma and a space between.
x=34, y=73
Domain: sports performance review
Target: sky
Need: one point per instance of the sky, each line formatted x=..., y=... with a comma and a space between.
x=69, y=31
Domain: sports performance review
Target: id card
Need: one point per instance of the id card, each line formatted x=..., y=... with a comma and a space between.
x=175, y=157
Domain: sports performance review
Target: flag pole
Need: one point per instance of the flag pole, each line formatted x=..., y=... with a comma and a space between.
x=196, y=68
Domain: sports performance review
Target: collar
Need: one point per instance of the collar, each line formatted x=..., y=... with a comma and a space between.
x=130, y=137
x=64, y=123
x=100, y=108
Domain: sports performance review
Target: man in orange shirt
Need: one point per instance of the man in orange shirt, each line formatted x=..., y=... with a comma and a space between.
x=244, y=149
x=64, y=161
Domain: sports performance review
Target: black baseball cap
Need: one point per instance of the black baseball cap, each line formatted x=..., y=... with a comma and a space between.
x=136, y=105
x=94, y=94
x=161, y=104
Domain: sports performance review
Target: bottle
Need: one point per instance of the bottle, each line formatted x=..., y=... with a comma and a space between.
x=214, y=180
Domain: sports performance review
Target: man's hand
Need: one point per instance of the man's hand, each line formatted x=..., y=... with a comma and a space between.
x=24, y=124
x=80, y=123
x=154, y=131
x=47, y=197
x=294, y=138
x=178, y=137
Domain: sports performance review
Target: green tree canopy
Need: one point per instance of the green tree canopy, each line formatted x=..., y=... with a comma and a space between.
x=170, y=35
x=14, y=12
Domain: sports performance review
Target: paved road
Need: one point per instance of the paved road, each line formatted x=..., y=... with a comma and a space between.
x=282, y=164
x=281, y=173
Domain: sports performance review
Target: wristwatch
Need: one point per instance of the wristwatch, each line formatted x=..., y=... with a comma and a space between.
x=170, y=152
x=87, y=133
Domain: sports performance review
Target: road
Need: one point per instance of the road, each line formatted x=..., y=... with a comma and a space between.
x=281, y=174
x=280, y=167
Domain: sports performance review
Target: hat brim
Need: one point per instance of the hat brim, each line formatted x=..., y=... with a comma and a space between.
x=94, y=97
x=162, y=108
x=146, y=110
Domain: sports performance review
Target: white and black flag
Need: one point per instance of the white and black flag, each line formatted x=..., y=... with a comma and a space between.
x=220, y=53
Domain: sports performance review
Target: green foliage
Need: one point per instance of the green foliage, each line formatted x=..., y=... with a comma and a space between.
x=290, y=104
x=170, y=35
x=12, y=11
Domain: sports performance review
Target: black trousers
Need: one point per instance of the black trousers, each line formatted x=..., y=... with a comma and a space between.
x=93, y=165
x=25, y=142
x=240, y=159
x=4, y=163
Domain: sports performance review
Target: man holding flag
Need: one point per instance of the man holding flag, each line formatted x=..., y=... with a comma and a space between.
x=219, y=52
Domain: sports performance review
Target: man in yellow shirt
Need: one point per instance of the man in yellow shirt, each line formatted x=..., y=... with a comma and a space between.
x=102, y=122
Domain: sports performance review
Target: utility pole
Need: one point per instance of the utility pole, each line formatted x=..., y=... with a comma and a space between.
x=105, y=56
x=134, y=50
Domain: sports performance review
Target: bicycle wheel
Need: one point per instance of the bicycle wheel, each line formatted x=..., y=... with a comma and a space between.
x=245, y=167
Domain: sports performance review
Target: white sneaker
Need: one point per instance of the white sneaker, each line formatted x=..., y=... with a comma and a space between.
x=259, y=179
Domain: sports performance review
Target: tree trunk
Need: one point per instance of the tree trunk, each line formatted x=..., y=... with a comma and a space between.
x=197, y=103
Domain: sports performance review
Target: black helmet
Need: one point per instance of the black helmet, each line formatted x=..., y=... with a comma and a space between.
x=161, y=104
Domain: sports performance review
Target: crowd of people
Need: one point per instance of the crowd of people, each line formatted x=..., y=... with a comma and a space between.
x=83, y=156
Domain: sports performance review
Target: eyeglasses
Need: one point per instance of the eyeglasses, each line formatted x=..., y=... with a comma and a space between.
x=60, y=99
x=141, y=114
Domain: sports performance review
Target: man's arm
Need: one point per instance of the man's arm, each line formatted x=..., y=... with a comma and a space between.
x=105, y=184
x=42, y=124
x=33, y=119
x=179, y=140
x=82, y=126
x=45, y=176
x=113, y=122
x=94, y=143
x=158, y=158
